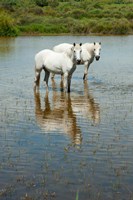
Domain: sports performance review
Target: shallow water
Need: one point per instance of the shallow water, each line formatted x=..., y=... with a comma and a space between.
x=54, y=146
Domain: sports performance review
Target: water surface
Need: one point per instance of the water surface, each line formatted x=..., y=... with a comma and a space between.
x=54, y=146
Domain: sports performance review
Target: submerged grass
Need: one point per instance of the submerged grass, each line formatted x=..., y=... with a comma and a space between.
x=77, y=195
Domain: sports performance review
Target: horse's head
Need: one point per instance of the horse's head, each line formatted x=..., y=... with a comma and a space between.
x=77, y=52
x=97, y=49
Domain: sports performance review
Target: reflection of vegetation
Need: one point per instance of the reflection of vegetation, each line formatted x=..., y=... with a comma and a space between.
x=6, y=45
x=67, y=16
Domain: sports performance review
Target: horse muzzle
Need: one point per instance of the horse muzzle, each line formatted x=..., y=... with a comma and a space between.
x=78, y=62
x=97, y=58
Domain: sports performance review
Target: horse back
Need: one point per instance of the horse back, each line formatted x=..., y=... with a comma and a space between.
x=62, y=47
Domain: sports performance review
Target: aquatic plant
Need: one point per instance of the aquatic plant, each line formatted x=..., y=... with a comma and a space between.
x=77, y=195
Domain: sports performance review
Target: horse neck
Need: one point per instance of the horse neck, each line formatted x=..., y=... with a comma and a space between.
x=92, y=54
x=68, y=58
x=91, y=50
x=73, y=59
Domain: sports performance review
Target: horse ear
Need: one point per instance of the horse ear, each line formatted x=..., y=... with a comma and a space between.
x=94, y=43
x=100, y=43
x=74, y=44
x=80, y=44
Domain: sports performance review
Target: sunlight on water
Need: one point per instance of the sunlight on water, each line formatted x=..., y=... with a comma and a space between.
x=55, y=144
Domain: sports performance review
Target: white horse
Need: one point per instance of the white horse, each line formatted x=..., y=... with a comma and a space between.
x=66, y=46
x=57, y=63
x=89, y=52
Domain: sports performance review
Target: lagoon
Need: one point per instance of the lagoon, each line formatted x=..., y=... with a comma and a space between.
x=58, y=146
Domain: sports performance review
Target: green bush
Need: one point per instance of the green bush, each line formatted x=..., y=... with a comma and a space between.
x=8, y=2
x=122, y=26
x=41, y=3
x=44, y=29
x=111, y=26
x=66, y=16
x=7, y=25
x=53, y=3
x=36, y=10
x=77, y=13
x=129, y=15
x=50, y=11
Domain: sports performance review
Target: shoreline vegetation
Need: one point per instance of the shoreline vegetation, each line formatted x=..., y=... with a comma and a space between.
x=66, y=17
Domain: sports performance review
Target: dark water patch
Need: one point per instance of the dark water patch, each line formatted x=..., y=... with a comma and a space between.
x=124, y=89
x=95, y=80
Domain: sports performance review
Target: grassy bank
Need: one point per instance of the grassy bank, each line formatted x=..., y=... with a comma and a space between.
x=19, y=17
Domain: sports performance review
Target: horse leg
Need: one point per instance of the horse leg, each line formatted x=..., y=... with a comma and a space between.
x=62, y=77
x=52, y=75
x=61, y=85
x=46, y=78
x=37, y=79
x=69, y=83
x=86, y=70
x=70, y=76
x=65, y=80
x=44, y=75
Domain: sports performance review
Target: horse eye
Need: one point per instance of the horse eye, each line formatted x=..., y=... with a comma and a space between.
x=94, y=49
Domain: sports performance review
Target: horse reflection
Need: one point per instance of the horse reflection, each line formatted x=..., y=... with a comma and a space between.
x=57, y=115
x=86, y=106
